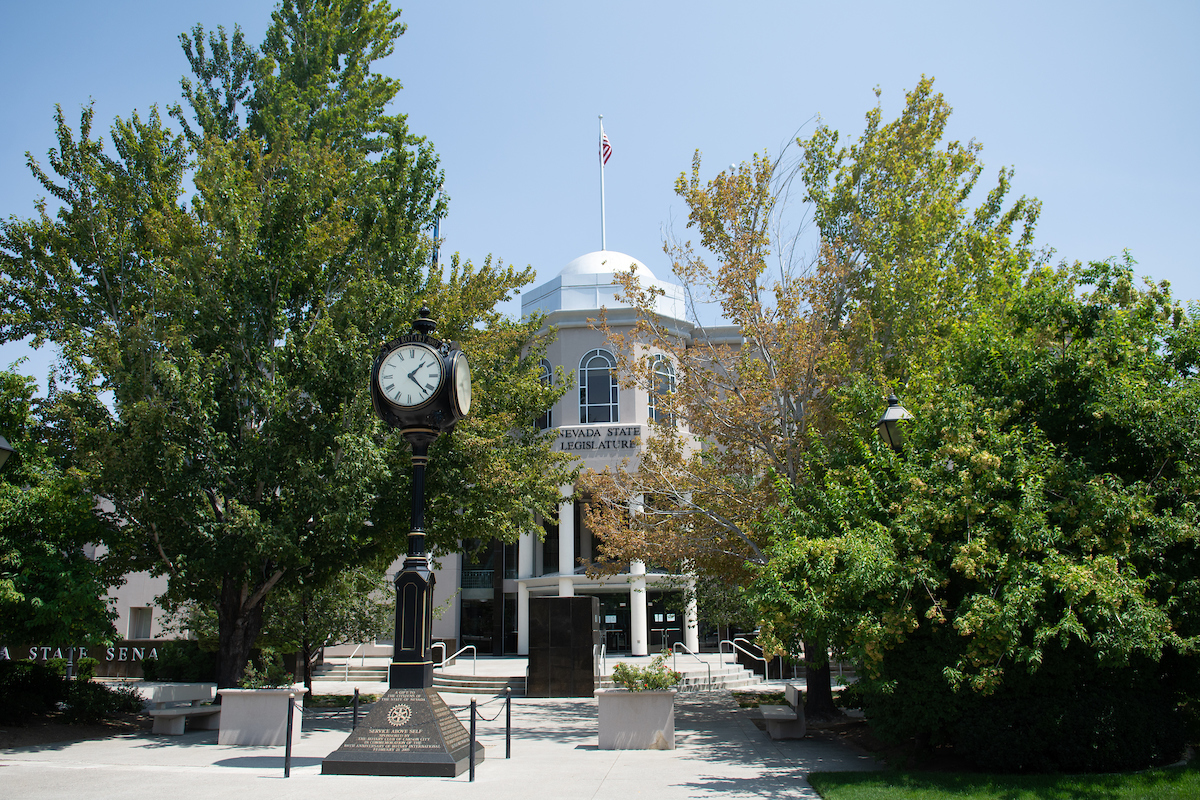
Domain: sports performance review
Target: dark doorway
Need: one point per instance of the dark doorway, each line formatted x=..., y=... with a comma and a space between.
x=664, y=620
x=475, y=625
x=615, y=627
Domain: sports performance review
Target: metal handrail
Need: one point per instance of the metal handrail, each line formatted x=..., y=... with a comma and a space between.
x=346, y=674
x=603, y=653
x=461, y=650
x=441, y=645
x=735, y=646
x=686, y=649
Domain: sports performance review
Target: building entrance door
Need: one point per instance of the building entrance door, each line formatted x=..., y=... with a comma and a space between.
x=615, y=622
x=665, y=621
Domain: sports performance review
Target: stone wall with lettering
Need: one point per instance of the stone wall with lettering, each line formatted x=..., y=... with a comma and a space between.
x=121, y=660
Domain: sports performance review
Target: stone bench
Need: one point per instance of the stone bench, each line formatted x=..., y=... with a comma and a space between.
x=786, y=722
x=171, y=720
x=172, y=704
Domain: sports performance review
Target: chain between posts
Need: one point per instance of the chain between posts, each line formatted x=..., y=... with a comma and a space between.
x=475, y=715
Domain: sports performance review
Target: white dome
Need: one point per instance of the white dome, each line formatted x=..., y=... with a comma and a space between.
x=589, y=283
x=606, y=262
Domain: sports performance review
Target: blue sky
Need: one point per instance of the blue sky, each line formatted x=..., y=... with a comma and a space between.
x=1094, y=105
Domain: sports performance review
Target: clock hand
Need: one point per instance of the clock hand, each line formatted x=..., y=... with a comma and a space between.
x=414, y=372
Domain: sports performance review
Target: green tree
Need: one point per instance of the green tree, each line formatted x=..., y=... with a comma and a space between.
x=236, y=331
x=902, y=257
x=1026, y=572
x=356, y=605
x=725, y=606
x=52, y=587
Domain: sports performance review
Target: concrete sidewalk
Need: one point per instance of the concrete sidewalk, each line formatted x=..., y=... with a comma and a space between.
x=719, y=753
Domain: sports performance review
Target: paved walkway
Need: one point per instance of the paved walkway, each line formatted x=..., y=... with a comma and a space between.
x=719, y=753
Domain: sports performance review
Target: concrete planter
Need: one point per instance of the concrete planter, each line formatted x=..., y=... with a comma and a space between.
x=259, y=716
x=636, y=720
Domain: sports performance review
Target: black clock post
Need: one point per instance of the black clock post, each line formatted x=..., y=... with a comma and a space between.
x=412, y=651
x=421, y=386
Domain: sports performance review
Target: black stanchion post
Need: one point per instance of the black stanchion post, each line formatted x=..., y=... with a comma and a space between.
x=287, y=746
x=354, y=722
x=471, y=756
x=508, y=723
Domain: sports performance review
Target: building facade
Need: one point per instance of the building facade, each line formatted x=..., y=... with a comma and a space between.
x=603, y=424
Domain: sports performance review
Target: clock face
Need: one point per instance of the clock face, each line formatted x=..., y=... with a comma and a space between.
x=462, y=384
x=410, y=375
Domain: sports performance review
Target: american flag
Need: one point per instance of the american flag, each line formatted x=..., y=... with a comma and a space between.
x=605, y=148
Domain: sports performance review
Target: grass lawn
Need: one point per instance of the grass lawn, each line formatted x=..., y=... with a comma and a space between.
x=1172, y=783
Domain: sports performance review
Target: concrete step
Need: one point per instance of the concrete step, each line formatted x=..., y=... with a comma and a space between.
x=338, y=672
x=479, y=684
x=697, y=679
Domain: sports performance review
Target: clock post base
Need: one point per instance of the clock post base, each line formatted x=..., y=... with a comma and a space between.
x=407, y=732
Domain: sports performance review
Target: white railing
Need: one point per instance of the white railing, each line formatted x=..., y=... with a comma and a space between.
x=735, y=646
x=471, y=647
x=686, y=649
x=346, y=674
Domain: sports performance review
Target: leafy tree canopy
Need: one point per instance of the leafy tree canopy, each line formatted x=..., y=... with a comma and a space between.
x=234, y=324
x=903, y=257
x=51, y=590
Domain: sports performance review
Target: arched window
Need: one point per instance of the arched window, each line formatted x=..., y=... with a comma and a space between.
x=597, y=388
x=546, y=420
x=664, y=384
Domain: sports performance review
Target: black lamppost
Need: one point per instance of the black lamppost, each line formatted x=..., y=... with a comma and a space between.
x=889, y=424
x=6, y=450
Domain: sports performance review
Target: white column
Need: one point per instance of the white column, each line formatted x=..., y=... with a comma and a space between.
x=691, y=625
x=640, y=643
x=566, y=545
x=639, y=635
x=525, y=547
x=522, y=619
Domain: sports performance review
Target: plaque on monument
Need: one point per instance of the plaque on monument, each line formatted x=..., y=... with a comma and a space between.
x=407, y=732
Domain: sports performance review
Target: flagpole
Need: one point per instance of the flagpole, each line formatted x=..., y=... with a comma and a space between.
x=603, y=238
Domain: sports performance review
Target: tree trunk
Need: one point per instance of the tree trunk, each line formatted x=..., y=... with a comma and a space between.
x=238, y=627
x=818, y=703
x=307, y=656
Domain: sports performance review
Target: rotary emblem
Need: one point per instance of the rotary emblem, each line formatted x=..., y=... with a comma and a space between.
x=399, y=715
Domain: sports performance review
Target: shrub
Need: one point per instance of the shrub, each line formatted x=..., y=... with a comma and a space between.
x=1071, y=715
x=181, y=660
x=28, y=688
x=91, y=702
x=87, y=702
x=85, y=669
x=267, y=674
x=1087, y=729
x=654, y=677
